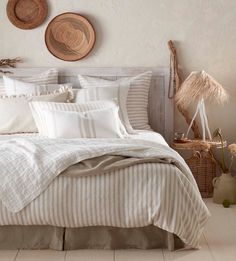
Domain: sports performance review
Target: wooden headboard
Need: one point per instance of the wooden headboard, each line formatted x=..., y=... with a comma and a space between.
x=161, y=108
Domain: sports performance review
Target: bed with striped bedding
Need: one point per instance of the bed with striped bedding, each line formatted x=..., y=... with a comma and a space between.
x=156, y=194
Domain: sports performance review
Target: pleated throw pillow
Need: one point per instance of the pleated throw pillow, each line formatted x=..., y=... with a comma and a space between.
x=137, y=98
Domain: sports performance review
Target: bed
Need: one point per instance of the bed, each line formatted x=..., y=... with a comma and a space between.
x=148, y=204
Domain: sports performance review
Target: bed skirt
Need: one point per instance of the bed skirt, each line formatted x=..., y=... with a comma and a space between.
x=57, y=238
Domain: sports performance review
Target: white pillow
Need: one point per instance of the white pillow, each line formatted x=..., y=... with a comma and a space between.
x=137, y=99
x=38, y=107
x=71, y=124
x=118, y=93
x=16, y=87
x=16, y=116
x=96, y=94
x=48, y=77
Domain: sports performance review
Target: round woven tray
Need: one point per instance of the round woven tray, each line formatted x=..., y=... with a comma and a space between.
x=70, y=37
x=27, y=14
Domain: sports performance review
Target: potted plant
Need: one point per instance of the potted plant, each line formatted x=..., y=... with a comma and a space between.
x=225, y=185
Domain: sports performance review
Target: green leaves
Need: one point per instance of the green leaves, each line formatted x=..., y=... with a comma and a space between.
x=218, y=133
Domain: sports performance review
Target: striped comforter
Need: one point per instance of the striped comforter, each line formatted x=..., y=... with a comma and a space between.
x=160, y=194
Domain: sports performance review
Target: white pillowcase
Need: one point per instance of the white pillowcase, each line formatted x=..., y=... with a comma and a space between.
x=102, y=123
x=113, y=93
x=16, y=116
x=37, y=109
x=136, y=104
x=96, y=94
x=47, y=77
x=16, y=87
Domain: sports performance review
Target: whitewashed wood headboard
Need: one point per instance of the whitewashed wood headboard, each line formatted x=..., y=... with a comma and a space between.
x=161, y=108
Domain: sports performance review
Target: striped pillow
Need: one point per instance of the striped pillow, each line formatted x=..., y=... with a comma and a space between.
x=47, y=77
x=72, y=124
x=38, y=107
x=16, y=87
x=137, y=100
x=16, y=116
x=118, y=93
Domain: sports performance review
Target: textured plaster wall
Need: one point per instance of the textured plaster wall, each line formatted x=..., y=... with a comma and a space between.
x=135, y=33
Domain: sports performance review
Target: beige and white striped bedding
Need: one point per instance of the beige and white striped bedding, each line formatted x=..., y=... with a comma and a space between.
x=137, y=196
x=37, y=162
x=144, y=194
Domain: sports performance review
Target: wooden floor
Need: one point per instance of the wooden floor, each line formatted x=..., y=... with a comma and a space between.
x=218, y=244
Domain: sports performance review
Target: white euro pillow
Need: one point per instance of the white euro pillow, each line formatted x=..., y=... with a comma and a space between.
x=102, y=123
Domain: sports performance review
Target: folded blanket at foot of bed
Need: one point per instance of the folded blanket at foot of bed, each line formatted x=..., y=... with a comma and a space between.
x=107, y=163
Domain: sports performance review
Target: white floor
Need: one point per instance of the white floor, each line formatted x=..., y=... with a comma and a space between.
x=218, y=244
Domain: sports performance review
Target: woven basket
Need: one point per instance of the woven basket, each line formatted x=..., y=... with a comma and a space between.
x=203, y=167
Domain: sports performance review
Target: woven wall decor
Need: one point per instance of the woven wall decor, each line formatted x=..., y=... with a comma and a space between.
x=27, y=14
x=69, y=37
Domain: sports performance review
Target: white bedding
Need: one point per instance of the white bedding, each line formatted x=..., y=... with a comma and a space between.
x=142, y=135
x=158, y=194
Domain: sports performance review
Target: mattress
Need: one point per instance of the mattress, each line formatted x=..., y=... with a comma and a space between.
x=136, y=196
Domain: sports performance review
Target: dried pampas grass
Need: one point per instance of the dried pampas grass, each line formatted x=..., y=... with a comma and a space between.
x=200, y=85
x=9, y=63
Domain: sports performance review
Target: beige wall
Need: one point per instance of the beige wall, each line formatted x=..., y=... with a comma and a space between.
x=135, y=33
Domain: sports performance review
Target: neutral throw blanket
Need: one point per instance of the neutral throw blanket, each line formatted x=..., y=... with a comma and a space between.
x=28, y=166
x=107, y=163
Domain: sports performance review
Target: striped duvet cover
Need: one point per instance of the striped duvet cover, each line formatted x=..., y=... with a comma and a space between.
x=137, y=196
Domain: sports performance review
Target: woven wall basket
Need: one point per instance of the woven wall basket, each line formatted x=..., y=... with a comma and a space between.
x=203, y=168
x=27, y=14
x=70, y=37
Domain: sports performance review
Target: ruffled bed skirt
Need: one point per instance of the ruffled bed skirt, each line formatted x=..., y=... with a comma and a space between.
x=57, y=238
